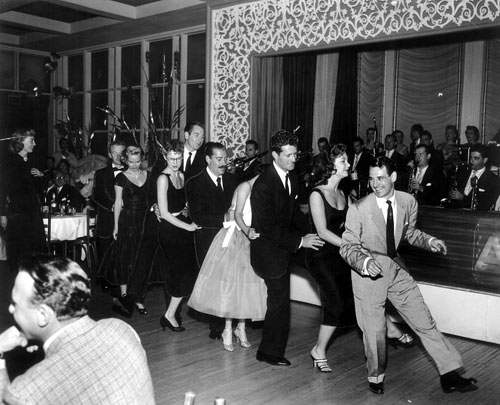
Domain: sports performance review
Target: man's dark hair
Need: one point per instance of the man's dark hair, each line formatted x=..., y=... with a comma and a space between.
x=360, y=140
x=282, y=138
x=391, y=136
x=417, y=127
x=423, y=146
x=370, y=129
x=322, y=140
x=190, y=125
x=382, y=161
x=59, y=283
x=210, y=148
x=426, y=133
x=452, y=127
x=252, y=142
x=481, y=149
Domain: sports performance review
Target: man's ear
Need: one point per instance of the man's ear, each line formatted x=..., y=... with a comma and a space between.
x=207, y=159
x=485, y=160
x=275, y=155
x=394, y=176
x=45, y=315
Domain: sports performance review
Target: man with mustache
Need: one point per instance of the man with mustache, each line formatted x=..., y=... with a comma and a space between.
x=209, y=195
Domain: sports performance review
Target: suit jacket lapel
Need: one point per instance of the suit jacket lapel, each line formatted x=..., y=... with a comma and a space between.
x=400, y=221
x=377, y=217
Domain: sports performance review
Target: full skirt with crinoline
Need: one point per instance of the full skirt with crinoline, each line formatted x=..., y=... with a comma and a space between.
x=227, y=286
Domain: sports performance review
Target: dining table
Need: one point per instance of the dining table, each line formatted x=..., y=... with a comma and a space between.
x=67, y=227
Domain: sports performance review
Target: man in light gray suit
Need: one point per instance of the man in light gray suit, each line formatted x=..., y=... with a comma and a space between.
x=374, y=228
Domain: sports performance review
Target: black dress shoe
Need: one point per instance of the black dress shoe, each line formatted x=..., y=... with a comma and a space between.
x=165, y=323
x=453, y=381
x=273, y=360
x=215, y=334
x=377, y=388
x=119, y=308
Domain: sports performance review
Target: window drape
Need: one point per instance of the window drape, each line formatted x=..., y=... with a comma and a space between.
x=324, y=96
x=267, y=101
x=492, y=105
x=344, y=128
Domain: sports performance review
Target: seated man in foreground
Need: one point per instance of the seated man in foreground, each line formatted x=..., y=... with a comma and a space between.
x=85, y=361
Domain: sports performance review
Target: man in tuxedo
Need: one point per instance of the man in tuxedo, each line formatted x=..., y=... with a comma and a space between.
x=398, y=159
x=360, y=161
x=209, y=195
x=429, y=183
x=85, y=361
x=278, y=220
x=437, y=158
x=193, y=157
x=104, y=196
x=61, y=193
x=374, y=228
x=487, y=189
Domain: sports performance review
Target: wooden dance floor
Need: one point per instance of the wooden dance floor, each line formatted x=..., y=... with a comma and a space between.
x=190, y=361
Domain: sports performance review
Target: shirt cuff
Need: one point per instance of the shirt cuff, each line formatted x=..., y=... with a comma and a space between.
x=300, y=244
x=2, y=364
x=430, y=240
x=364, y=270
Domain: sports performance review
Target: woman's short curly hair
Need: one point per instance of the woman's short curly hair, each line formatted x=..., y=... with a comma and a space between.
x=59, y=283
x=174, y=145
x=16, y=144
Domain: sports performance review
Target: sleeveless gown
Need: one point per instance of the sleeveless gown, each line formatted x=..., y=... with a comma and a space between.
x=118, y=262
x=178, y=247
x=227, y=286
x=332, y=273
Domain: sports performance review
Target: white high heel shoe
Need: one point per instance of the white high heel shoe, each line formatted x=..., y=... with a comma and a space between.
x=227, y=340
x=241, y=337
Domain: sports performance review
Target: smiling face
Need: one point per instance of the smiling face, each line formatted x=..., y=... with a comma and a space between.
x=341, y=166
x=286, y=158
x=217, y=162
x=195, y=138
x=24, y=311
x=381, y=182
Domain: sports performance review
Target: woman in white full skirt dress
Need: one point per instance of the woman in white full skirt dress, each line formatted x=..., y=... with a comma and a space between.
x=227, y=286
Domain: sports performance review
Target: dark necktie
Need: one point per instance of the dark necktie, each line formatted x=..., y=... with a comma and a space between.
x=287, y=189
x=391, y=244
x=188, y=162
x=474, y=199
x=219, y=184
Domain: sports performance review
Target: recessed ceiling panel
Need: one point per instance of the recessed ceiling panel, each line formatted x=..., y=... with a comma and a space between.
x=54, y=12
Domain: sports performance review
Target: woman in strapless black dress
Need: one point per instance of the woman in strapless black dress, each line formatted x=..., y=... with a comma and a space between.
x=176, y=235
x=328, y=208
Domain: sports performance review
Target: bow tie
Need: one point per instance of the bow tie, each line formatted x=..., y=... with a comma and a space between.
x=117, y=169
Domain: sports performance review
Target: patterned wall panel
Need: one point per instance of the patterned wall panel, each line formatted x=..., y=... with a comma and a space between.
x=256, y=28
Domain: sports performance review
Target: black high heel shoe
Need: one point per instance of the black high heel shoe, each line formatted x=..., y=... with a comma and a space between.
x=165, y=323
x=405, y=340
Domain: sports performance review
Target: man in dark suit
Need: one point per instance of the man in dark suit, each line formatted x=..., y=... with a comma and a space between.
x=193, y=157
x=374, y=228
x=360, y=161
x=488, y=184
x=399, y=160
x=429, y=183
x=437, y=158
x=274, y=213
x=209, y=195
x=104, y=196
x=64, y=194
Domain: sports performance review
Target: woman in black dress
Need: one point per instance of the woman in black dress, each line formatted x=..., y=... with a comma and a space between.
x=20, y=208
x=176, y=235
x=130, y=207
x=328, y=208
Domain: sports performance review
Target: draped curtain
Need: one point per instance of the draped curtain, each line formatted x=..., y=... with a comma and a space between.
x=492, y=106
x=267, y=101
x=370, y=89
x=344, y=128
x=428, y=88
x=324, y=96
x=298, y=106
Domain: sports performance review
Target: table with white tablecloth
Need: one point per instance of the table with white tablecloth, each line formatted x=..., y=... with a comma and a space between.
x=67, y=227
